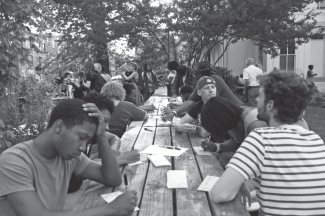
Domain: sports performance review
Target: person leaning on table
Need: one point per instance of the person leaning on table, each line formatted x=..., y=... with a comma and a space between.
x=206, y=89
x=106, y=107
x=204, y=68
x=34, y=175
x=285, y=159
x=125, y=112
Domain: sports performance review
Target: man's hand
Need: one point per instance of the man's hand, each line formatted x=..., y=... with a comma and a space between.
x=208, y=146
x=166, y=111
x=170, y=116
x=94, y=112
x=245, y=195
x=124, y=204
x=128, y=157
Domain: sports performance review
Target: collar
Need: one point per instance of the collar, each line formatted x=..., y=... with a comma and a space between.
x=294, y=127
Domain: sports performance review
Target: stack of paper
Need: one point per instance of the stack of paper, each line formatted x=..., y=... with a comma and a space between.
x=208, y=183
x=112, y=196
x=199, y=151
x=176, y=179
x=159, y=160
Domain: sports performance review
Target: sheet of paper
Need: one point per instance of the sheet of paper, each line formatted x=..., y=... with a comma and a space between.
x=176, y=179
x=208, y=183
x=112, y=196
x=137, y=163
x=159, y=160
x=156, y=150
x=199, y=151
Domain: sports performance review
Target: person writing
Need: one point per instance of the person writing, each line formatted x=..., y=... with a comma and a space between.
x=34, y=175
x=286, y=160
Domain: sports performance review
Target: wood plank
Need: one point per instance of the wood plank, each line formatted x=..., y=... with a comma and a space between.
x=157, y=199
x=189, y=201
x=128, y=139
x=137, y=174
x=92, y=196
x=209, y=165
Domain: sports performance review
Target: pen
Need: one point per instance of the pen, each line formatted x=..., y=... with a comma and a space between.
x=126, y=181
x=147, y=129
x=170, y=147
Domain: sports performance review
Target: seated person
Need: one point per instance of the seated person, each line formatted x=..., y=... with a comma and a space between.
x=106, y=107
x=218, y=116
x=206, y=69
x=206, y=89
x=130, y=96
x=186, y=92
x=125, y=112
x=286, y=160
x=34, y=175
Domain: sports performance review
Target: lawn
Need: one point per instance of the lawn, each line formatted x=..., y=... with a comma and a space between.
x=315, y=117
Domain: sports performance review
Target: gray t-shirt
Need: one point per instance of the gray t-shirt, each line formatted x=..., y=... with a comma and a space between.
x=22, y=168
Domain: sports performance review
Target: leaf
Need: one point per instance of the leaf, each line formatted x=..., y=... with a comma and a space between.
x=10, y=134
x=2, y=124
x=8, y=144
x=53, y=3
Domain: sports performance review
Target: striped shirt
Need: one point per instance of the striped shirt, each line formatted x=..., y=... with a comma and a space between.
x=289, y=162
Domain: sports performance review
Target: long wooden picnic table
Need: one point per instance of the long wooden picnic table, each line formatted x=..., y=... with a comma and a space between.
x=150, y=182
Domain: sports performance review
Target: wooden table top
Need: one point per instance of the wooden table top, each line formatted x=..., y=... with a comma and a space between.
x=150, y=182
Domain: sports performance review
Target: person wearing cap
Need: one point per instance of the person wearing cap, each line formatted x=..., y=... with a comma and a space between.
x=206, y=89
x=204, y=68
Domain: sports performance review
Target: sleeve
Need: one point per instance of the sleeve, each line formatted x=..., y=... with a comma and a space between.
x=245, y=74
x=81, y=164
x=15, y=175
x=248, y=159
x=194, y=96
x=193, y=112
x=171, y=74
x=174, y=86
x=136, y=113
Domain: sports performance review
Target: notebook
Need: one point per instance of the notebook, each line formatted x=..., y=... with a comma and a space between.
x=158, y=160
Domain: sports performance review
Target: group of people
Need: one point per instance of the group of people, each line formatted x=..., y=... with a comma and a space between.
x=270, y=144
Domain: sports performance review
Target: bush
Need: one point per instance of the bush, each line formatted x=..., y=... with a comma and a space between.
x=229, y=79
x=26, y=103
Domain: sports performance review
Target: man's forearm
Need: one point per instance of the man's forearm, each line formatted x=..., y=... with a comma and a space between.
x=185, y=107
x=114, y=141
x=201, y=132
x=229, y=146
x=110, y=169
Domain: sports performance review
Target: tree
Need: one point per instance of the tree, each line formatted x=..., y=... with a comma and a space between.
x=16, y=18
x=269, y=23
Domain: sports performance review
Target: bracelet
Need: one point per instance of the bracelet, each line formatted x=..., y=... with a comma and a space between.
x=218, y=147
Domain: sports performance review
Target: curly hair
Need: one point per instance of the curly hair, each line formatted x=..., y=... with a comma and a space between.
x=71, y=113
x=113, y=90
x=100, y=100
x=205, y=68
x=172, y=65
x=290, y=93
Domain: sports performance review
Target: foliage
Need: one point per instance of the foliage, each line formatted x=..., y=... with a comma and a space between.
x=16, y=19
x=24, y=109
x=229, y=79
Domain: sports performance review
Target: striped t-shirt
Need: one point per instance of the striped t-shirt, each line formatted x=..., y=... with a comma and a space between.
x=290, y=164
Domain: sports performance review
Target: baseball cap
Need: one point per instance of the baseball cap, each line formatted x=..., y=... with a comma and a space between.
x=205, y=80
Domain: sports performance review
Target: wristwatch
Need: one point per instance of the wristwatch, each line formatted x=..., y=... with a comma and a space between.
x=174, y=112
x=218, y=147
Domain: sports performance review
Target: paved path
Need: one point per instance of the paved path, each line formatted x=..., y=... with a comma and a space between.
x=320, y=86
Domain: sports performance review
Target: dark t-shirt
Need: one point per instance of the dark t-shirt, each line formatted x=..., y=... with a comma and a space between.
x=195, y=111
x=124, y=112
x=223, y=90
x=130, y=99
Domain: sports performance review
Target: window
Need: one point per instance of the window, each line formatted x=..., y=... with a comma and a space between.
x=44, y=47
x=321, y=5
x=39, y=60
x=30, y=62
x=288, y=56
